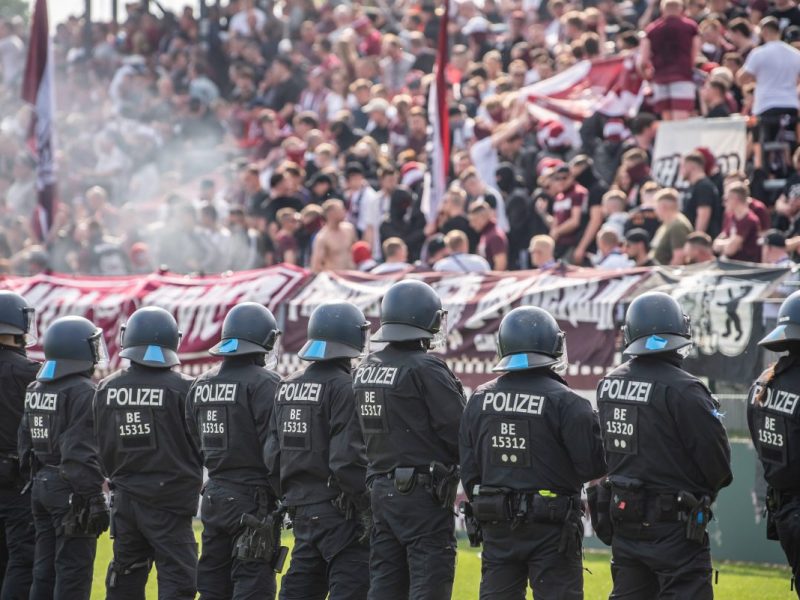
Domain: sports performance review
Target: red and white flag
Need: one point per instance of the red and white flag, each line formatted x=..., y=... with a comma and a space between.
x=440, y=124
x=37, y=89
x=609, y=85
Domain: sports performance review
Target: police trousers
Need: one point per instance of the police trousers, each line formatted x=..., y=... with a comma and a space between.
x=63, y=566
x=18, y=534
x=529, y=554
x=327, y=560
x=412, y=546
x=143, y=534
x=788, y=523
x=660, y=564
x=219, y=575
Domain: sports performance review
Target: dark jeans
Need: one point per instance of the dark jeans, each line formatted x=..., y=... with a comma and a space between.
x=143, y=534
x=327, y=560
x=412, y=547
x=16, y=522
x=788, y=523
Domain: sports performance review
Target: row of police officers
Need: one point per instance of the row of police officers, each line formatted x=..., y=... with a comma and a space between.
x=363, y=452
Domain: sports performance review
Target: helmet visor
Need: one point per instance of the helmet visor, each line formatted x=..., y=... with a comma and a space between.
x=31, y=332
x=273, y=356
x=439, y=339
x=99, y=349
x=562, y=364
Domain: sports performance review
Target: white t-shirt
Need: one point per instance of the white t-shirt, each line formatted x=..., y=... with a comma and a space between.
x=384, y=268
x=239, y=25
x=462, y=263
x=776, y=67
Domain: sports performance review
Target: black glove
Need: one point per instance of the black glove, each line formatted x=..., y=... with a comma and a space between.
x=364, y=525
x=99, y=516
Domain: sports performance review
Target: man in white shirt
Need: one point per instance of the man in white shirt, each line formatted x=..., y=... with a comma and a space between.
x=395, y=253
x=363, y=207
x=609, y=252
x=12, y=54
x=458, y=259
x=775, y=69
x=249, y=21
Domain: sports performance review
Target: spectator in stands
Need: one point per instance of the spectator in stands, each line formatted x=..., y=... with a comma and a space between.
x=364, y=206
x=675, y=227
x=609, y=252
x=435, y=250
x=773, y=249
x=362, y=257
x=331, y=248
x=219, y=239
x=667, y=55
x=567, y=212
x=395, y=257
x=637, y=247
x=739, y=237
x=698, y=248
x=542, y=251
x=492, y=244
x=702, y=204
x=458, y=259
x=714, y=95
x=287, y=249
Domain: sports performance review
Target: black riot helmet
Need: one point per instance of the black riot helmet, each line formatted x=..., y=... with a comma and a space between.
x=530, y=338
x=655, y=323
x=249, y=328
x=786, y=334
x=410, y=310
x=335, y=330
x=16, y=317
x=151, y=338
x=72, y=345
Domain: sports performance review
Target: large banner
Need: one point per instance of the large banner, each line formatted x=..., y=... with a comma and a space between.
x=724, y=301
x=726, y=138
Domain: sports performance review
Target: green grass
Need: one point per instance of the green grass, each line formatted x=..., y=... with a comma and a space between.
x=736, y=581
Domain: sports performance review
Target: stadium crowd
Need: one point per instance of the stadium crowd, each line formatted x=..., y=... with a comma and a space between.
x=300, y=134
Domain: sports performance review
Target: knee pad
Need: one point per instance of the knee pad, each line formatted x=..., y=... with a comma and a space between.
x=117, y=572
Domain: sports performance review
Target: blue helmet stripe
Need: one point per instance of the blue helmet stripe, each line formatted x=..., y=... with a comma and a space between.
x=48, y=370
x=316, y=349
x=517, y=361
x=655, y=342
x=154, y=354
x=229, y=345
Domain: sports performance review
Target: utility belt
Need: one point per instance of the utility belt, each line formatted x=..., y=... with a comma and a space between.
x=776, y=500
x=491, y=505
x=633, y=508
x=440, y=479
x=253, y=491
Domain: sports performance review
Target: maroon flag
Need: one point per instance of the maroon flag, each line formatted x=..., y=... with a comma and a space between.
x=440, y=123
x=37, y=90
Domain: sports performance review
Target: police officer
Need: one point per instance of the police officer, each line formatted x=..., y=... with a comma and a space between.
x=17, y=371
x=316, y=448
x=668, y=457
x=152, y=462
x=409, y=405
x=528, y=443
x=773, y=416
x=228, y=410
x=69, y=507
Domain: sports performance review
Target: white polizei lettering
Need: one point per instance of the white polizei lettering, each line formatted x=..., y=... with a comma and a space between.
x=215, y=392
x=376, y=375
x=135, y=396
x=299, y=392
x=781, y=401
x=626, y=390
x=41, y=401
x=513, y=402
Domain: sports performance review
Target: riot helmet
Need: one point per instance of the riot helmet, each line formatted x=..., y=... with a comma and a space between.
x=530, y=338
x=72, y=345
x=151, y=338
x=654, y=324
x=336, y=330
x=786, y=334
x=411, y=310
x=17, y=317
x=249, y=328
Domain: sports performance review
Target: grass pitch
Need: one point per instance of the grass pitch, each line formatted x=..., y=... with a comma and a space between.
x=736, y=581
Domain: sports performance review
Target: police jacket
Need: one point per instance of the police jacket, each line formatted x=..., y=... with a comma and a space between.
x=145, y=449
x=17, y=371
x=662, y=426
x=529, y=431
x=315, y=447
x=409, y=405
x=57, y=428
x=773, y=415
x=228, y=410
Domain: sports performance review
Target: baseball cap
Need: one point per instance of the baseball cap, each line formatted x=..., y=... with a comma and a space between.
x=773, y=237
x=637, y=235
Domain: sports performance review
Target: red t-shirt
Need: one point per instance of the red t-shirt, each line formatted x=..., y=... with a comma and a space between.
x=762, y=212
x=576, y=196
x=671, y=48
x=747, y=228
x=492, y=242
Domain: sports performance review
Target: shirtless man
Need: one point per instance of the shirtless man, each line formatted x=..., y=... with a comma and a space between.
x=331, y=249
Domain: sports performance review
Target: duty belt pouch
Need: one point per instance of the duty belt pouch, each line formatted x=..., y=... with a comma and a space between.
x=9, y=471
x=599, y=499
x=491, y=505
x=405, y=479
x=628, y=499
x=771, y=513
x=550, y=510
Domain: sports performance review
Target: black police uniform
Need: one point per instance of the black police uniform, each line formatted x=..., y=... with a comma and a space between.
x=156, y=473
x=17, y=371
x=663, y=435
x=315, y=445
x=58, y=429
x=409, y=405
x=530, y=443
x=228, y=411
